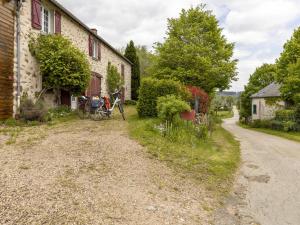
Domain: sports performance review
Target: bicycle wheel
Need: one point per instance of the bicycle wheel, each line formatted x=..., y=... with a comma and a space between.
x=121, y=109
x=99, y=114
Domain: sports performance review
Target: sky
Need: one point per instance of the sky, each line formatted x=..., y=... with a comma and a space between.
x=259, y=28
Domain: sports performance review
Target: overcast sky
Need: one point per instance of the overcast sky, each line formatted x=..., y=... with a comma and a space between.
x=259, y=28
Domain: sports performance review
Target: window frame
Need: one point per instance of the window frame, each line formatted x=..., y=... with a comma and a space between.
x=94, y=49
x=254, y=109
x=51, y=20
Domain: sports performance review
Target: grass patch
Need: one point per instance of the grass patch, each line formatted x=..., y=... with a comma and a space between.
x=294, y=136
x=225, y=114
x=12, y=132
x=212, y=161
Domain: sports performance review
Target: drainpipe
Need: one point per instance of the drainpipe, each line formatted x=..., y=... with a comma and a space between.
x=18, y=8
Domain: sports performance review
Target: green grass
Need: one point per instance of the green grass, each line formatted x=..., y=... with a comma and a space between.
x=294, y=136
x=212, y=161
x=225, y=114
x=12, y=127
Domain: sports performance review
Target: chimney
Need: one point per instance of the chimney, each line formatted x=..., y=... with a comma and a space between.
x=94, y=30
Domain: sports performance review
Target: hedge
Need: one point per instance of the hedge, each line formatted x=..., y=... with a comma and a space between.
x=285, y=115
x=286, y=126
x=151, y=89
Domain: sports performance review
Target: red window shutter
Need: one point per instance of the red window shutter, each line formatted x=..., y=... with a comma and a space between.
x=57, y=22
x=36, y=14
x=99, y=50
x=90, y=45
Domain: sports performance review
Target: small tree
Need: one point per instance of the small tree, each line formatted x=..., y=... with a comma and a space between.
x=130, y=53
x=114, y=80
x=170, y=106
x=62, y=65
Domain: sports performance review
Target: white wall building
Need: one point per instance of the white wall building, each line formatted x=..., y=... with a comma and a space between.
x=266, y=102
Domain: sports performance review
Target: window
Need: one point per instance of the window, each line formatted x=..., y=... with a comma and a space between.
x=47, y=20
x=122, y=71
x=95, y=49
x=254, y=110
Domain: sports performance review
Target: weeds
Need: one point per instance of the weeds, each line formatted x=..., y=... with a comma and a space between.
x=212, y=160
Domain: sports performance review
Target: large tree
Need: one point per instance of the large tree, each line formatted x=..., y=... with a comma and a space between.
x=289, y=68
x=262, y=77
x=130, y=53
x=146, y=59
x=195, y=52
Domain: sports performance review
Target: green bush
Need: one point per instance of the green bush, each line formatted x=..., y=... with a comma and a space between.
x=151, y=89
x=297, y=113
x=285, y=115
x=114, y=79
x=62, y=64
x=170, y=106
x=290, y=126
x=261, y=124
x=276, y=125
x=130, y=102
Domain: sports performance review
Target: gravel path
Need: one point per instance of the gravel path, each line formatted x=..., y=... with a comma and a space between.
x=84, y=172
x=267, y=189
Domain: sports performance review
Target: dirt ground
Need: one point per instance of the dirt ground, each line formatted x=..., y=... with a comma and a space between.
x=267, y=188
x=86, y=172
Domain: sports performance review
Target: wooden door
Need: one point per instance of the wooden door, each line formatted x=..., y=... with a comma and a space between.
x=94, y=88
x=6, y=58
x=65, y=98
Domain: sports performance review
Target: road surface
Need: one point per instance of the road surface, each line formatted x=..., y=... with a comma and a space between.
x=267, y=188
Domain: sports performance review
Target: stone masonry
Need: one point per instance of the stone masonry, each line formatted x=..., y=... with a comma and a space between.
x=31, y=80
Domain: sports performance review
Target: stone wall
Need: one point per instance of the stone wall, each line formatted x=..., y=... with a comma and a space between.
x=31, y=80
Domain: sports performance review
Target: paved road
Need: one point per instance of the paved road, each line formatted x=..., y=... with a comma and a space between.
x=267, y=189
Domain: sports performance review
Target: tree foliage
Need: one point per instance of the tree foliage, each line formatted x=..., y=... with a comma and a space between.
x=146, y=58
x=195, y=52
x=114, y=79
x=62, y=65
x=222, y=103
x=130, y=53
x=262, y=77
x=290, y=88
x=289, y=68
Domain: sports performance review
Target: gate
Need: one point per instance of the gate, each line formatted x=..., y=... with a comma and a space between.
x=6, y=58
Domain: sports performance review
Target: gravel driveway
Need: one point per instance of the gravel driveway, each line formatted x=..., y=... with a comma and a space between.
x=267, y=189
x=86, y=172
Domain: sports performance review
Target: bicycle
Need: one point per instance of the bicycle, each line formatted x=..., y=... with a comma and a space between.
x=98, y=108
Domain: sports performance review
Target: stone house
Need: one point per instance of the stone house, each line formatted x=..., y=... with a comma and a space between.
x=266, y=102
x=33, y=17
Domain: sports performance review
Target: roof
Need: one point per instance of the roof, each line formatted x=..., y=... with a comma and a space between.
x=272, y=90
x=57, y=4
